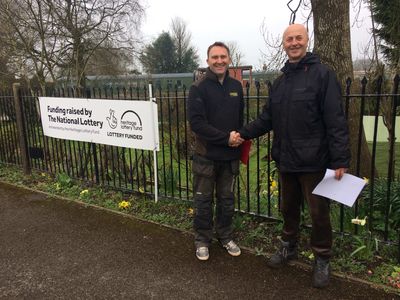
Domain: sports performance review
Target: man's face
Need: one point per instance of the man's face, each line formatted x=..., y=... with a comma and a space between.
x=295, y=41
x=218, y=60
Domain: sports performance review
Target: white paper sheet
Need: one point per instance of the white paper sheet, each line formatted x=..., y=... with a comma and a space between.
x=345, y=190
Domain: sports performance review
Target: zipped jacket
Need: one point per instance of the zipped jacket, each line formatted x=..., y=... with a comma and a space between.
x=214, y=110
x=305, y=112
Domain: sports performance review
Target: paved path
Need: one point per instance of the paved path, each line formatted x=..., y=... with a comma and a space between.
x=55, y=249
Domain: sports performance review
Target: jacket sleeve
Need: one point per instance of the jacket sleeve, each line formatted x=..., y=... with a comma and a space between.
x=335, y=122
x=259, y=126
x=198, y=120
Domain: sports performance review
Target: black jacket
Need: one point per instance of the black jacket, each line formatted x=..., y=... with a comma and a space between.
x=214, y=110
x=305, y=113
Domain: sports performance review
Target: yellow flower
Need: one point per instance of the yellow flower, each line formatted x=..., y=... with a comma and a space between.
x=366, y=180
x=274, y=184
x=84, y=192
x=141, y=190
x=358, y=221
x=190, y=211
x=58, y=186
x=275, y=193
x=43, y=174
x=124, y=205
x=307, y=254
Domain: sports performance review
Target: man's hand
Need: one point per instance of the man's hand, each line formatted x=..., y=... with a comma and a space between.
x=339, y=173
x=234, y=139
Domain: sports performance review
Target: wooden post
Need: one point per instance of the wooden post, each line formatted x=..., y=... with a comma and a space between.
x=21, y=130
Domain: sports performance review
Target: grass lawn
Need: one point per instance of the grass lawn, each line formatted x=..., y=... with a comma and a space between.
x=382, y=158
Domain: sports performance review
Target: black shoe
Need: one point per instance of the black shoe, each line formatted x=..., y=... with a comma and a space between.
x=321, y=272
x=287, y=251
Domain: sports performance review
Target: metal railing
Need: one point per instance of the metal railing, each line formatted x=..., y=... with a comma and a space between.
x=131, y=170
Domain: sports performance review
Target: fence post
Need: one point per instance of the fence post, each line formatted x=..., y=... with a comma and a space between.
x=94, y=148
x=21, y=130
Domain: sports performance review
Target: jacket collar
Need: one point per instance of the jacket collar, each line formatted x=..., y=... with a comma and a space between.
x=308, y=59
x=212, y=76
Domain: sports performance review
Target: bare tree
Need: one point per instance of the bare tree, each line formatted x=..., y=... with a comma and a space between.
x=29, y=37
x=236, y=54
x=5, y=75
x=186, y=54
x=5, y=55
x=58, y=37
x=108, y=60
x=273, y=57
x=87, y=25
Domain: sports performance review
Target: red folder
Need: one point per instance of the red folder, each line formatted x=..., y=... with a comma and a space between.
x=245, y=152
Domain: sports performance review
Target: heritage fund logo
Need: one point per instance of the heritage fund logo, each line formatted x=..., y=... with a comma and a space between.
x=130, y=121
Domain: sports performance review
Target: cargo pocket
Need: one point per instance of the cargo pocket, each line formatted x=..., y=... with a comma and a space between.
x=202, y=166
x=235, y=167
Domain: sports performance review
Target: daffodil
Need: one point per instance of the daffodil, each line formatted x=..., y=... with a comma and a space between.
x=274, y=184
x=366, y=180
x=190, y=211
x=307, y=254
x=141, y=190
x=124, y=205
x=84, y=192
x=358, y=221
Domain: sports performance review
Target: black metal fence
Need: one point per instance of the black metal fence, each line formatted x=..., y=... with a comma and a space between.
x=257, y=188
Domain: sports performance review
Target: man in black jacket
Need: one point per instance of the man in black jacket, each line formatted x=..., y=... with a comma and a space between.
x=310, y=135
x=215, y=111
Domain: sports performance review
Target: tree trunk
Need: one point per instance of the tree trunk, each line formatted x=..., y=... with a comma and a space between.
x=332, y=44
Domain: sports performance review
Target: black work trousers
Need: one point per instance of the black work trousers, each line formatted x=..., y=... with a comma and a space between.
x=295, y=187
x=211, y=177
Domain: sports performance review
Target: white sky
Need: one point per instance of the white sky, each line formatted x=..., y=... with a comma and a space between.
x=235, y=20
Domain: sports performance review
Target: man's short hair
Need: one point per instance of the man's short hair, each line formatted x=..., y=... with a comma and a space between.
x=218, y=44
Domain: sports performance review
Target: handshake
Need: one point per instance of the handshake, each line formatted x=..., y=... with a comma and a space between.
x=234, y=139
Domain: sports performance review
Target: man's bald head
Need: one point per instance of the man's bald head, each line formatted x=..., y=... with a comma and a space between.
x=295, y=42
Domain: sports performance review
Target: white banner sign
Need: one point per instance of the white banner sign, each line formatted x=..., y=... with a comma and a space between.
x=131, y=124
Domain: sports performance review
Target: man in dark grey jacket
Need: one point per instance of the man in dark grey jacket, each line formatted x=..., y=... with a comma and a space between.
x=215, y=111
x=310, y=135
